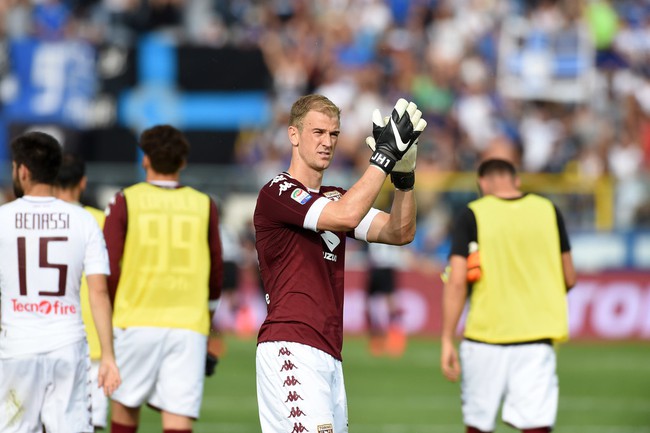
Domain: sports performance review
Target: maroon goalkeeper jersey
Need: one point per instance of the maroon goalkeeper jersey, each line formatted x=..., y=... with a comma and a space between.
x=302, y=268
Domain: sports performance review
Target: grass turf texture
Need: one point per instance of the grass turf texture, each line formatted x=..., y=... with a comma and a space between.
x=604, y=388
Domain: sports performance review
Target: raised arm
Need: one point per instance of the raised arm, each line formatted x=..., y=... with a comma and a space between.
x=393, y=145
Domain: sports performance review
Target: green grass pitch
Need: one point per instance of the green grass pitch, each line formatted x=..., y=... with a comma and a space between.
x=604, y=388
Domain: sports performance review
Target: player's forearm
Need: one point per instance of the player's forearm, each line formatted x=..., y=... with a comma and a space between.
x=100, y=306
x=346, y=213
x=454, y=295
x=452, y=308
x=400, y=227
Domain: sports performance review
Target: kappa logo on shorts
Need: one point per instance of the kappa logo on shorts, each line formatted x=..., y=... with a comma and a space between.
x=296, y=412
x=298, y=428
x=293, y=396
x=284, y=351
x=300, y=195
x=291, y=381
x=288, y=365
x=325, y=428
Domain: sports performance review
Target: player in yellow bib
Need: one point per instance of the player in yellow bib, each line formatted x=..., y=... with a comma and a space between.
x=69, y=186
x=517, y=308
x=166, y=274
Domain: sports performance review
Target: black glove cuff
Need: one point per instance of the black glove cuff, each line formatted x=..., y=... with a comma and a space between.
x=403, y=181
x=383, y=161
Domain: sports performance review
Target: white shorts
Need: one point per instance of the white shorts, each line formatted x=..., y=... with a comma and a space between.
x=50, y=389
x=522, y=375
x=300, y=389
x=100, y=401
x=163, y=367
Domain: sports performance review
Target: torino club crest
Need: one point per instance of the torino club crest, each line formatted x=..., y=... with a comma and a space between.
x=325, y=428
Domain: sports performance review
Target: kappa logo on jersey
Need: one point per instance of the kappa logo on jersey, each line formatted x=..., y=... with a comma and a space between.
x=333, y=195
x=288, y=365
x=300, y=195
x=291, y=381
x=284, y=186
x=298, y=428
x=325, y=428
x=296, y=412
x=44, y=307
x=276, y=179
x=293, y=396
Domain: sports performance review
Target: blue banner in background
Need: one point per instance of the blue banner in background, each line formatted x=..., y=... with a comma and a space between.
x=158, y=99
x=56, y=82
x=51, y=83
x=60, y=84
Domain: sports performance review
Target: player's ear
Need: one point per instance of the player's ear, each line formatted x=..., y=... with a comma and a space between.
x=293, y=135
x=23, y=172
x=146, y=163
x=83, y=182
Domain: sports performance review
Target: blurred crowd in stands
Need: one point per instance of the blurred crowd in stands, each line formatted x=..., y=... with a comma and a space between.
x=446, y=55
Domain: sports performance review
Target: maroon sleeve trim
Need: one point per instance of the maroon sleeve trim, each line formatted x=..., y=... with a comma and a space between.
x=216, y=257
x=115, y=228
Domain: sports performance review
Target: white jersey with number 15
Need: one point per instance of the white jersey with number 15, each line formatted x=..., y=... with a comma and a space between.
x=45, y=245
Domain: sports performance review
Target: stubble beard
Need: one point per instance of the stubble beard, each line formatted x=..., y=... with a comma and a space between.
x=18, y=189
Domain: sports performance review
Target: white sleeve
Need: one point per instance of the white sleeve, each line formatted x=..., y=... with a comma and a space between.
x=311, y=219
x=361, y=231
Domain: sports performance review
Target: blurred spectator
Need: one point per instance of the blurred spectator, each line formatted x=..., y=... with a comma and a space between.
x=540, y=133
x=386, y=331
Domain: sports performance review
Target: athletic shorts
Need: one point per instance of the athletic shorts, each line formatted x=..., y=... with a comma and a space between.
x=162, y=367
x=381, y=281
x=299, y=389
x=100, y=401
x=230, y=276
x=523, y=376
x=50, y=389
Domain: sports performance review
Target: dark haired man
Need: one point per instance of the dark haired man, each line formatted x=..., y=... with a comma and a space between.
x=166, y=275
x=69, y=185
x=46, y=244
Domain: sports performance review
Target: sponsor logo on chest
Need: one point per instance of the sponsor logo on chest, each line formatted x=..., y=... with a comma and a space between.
x=46, y=308
x=329, y=256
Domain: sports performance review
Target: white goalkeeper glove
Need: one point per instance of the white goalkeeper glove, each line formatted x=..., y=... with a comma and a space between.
x=403, y=172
